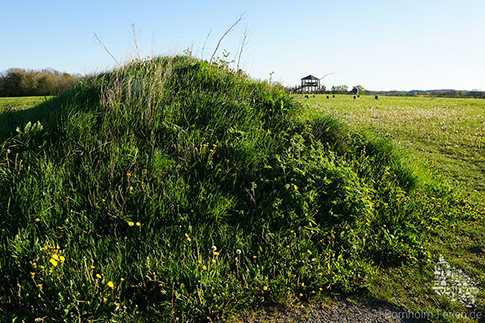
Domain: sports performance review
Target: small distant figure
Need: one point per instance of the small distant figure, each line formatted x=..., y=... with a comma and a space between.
x=313, y=95
x=355, y=97
x=306, y=96
x=334, y=95
x=377, y=97
x=328, y=97
x=355, y=91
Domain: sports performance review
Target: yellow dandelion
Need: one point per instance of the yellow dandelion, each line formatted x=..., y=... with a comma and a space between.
x=55, y=257
x=62, y=259
x=37, y=219
x=111, y=285
x=138, y=224
x=213, y=261
x=128, y=174
x=204, y=267
x=92, y=267
x=302, y=284
x=53, y=262
x=98, y=276
x=309, y=252
x=188, y=238
x=131, y=223
x=265, y=287
x=254, y=257
x=216, y=253
x=122, y=279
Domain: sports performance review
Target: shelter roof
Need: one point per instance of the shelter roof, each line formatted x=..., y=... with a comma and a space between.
x=310, y=77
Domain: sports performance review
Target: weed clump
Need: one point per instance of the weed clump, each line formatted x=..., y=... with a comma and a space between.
x=176, y=188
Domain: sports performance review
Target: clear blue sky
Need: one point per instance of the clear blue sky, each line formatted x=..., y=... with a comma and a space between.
x=379, y=44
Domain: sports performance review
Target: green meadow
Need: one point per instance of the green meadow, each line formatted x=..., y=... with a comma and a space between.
x=175, y=190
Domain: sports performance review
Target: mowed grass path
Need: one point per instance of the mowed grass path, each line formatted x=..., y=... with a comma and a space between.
x=448, y=133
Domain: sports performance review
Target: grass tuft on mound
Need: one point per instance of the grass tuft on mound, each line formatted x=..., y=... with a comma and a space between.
x=174, y=188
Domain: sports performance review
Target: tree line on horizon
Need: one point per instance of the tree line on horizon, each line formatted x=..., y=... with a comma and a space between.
x=27, y=82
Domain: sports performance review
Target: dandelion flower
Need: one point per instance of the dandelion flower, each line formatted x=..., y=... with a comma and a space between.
x=98, y=276
x=216, y=253
x=138, y=224
x=265, y=287
x=254, y=257
x=37, y=219
x=122, y=279
x=188, y=238
x=53, y=262
x=55, y=257
x=111, y=285
x=238, y=251
x=309, y=252
x=213, y=261
x=204, y=267
x=62, y=259
x=131, y=223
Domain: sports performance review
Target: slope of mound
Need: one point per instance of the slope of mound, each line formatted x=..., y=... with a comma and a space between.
x=174, y=188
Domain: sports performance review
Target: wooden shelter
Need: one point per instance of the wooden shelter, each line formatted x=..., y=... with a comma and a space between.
x=310, y=83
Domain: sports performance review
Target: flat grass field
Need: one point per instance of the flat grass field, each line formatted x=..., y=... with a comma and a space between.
x=17, y=103
x=449, y=135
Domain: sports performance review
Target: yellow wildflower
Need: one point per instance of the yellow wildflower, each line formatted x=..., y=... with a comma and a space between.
x=98, y=276
x=53, y=262
x=111, y=285
x=131, y=223
x=265, y=287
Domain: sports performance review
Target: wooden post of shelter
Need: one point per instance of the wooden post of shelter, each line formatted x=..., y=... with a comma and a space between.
x=310, y=83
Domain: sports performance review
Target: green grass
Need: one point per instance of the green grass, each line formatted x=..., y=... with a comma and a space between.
x=448, y=134
x=173, y=188
x=16, y=103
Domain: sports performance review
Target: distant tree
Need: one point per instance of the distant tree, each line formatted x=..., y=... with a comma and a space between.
x=339, y=89
x=361, y=89
x=21, y=82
